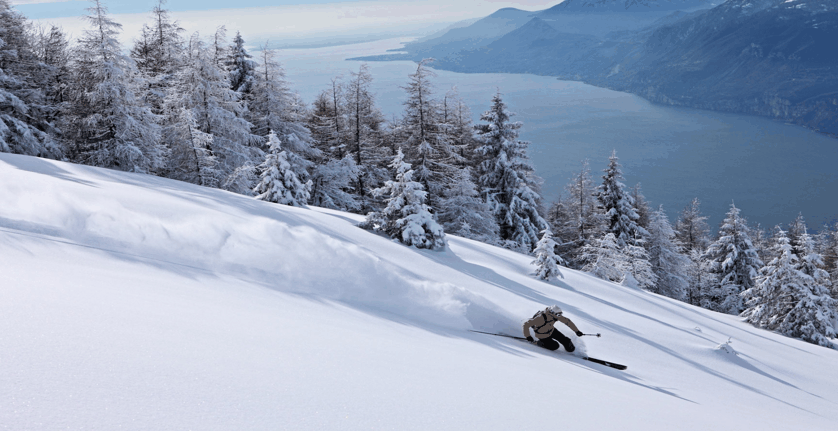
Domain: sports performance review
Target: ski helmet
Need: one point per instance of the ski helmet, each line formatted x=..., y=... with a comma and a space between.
x=555, y=309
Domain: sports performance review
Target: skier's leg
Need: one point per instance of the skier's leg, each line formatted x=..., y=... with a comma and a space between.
x=548, y=343
x=566, y=343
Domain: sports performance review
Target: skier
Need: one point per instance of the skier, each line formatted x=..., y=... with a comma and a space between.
x=548, y=336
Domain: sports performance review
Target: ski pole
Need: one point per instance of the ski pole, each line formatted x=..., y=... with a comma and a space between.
x=592, y=335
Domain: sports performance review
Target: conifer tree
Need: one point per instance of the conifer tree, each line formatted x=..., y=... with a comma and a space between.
x=465, y=214
x=811, y=263
x=279, y=183
x=200, y=145
x=406, y=217
x=364, y=127
x=691, y=229
x=273, y=107
x=604, y=259
x=240, y=67
x=546, y=261
x=332, y=184
x=506, y=178
x=456, y=118
x=217, y=110
x=575, y=217
x=560, y=217
x=667, y=262
x=733, y=262
x=620, y=212
x=789, y=301
x=637, y=268
x=25, y=115
x=641, y=205
x=830, y=246
x=692, y=233
x=159, y=54
x=582, y=204
x=426, y=142
x=108, y=126
x=762, y=243
x=325, y=123
x=797, y=230
x=51, y=74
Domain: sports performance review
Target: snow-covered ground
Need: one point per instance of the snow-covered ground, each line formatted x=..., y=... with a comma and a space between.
x=135, y=302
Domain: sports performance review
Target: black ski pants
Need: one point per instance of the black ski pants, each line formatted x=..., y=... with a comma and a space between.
x=552, y=342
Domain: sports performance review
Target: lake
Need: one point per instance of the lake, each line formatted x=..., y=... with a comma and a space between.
x=771, y=170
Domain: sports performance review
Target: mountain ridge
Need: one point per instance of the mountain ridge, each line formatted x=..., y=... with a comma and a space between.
x=761, y=57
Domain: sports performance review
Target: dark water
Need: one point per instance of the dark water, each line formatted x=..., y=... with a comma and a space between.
x=772, y=171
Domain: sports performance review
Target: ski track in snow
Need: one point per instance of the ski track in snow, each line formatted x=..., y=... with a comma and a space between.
x=135, y=302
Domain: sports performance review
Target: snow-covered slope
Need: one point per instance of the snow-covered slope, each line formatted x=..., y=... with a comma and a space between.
x=134, y=302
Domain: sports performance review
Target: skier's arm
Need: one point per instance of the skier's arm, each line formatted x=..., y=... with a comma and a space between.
x=527, y=325
x=567, y=322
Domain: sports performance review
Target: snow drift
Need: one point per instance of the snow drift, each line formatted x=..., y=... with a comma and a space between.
x=136, y=302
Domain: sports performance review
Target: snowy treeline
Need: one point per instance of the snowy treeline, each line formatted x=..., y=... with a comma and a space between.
x=783, y=281
x=202, y=109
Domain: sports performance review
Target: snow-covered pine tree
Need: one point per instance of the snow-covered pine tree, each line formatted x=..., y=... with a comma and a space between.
x=240, y=67
x=205, y=166
x=692, y=233
x=25, y=114
x=364, y=127
x=507, y=180
x=204, y=89
x=465, y=214
x=811, y=262
x=546, y=261
x=830, y=254
x=51, y=73
x=667, y=261
x=789, y=301
x=733, y=262
x=456, y=117
x=219, y=48
x=604, y=259
x=159, y=54
x=582, y=204
x=272, y=107
x=763, y=243
x=621, y=215
x=637, y=268
x=575, y=217
x=797, y=229
x=279, y=183
x=426, y=141
x=691, y=229
x=406, y=217
x=107, y=125
x=332, y=184
x=559, y=217
x=641, y=205
x=326, y=122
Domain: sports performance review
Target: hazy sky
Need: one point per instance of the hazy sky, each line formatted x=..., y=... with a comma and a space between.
x=283, y=19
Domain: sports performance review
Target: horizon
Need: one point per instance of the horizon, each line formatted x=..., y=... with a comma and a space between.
x=294, y=22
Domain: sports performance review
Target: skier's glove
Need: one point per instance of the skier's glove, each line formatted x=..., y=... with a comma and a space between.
x=530, y=339
x=579, y=333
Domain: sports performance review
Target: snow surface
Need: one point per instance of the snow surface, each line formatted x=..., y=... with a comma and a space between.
x=134, y=302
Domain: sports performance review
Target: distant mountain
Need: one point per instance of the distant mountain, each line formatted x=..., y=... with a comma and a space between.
x=627, y=5
x=767, y=57
x=475, y=35
x=774, y=58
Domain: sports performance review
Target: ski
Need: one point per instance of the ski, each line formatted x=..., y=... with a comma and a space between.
x=614, y=365
x=606, y=363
